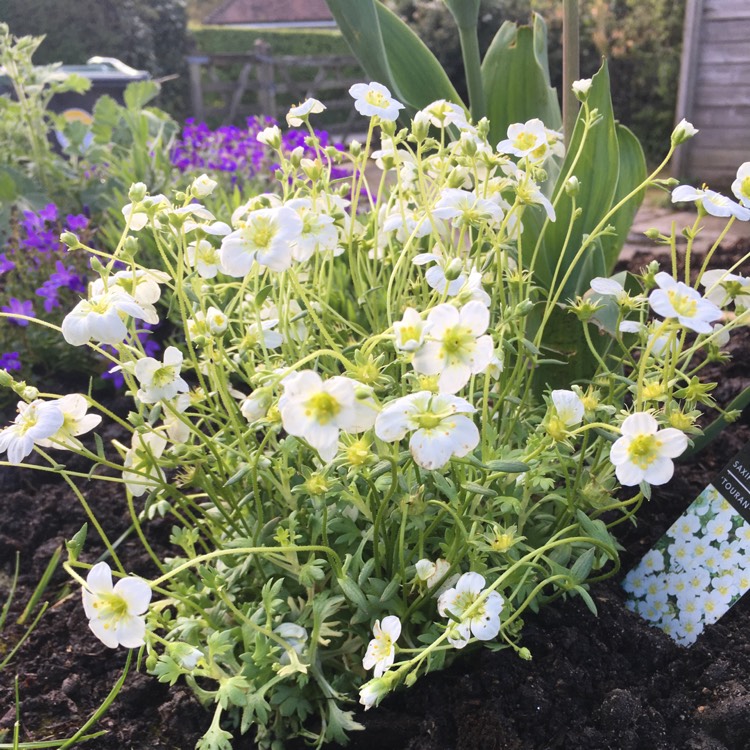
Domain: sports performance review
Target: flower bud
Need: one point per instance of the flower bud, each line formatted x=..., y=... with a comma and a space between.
x=296, y=156
x=70, y=240
x=525, y=654
x=355, y=148
x=30, y=393
x=6, y=379
x=454, y=269
x=137, y=192
x=581, y=89
x=683, y=132
x=203, y=186
x=572, y=186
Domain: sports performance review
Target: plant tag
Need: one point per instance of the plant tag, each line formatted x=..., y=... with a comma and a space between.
x=701, y=566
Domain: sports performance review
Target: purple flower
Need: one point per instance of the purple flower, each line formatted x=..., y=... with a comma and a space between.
x=5, y=264
x=17, y=307
x=64, y=276
x=10, y=361
x=76, y=222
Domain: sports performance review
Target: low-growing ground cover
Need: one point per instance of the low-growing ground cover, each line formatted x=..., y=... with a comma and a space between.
x=607, y=682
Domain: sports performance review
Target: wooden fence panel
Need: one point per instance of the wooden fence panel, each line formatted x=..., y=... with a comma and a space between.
x=225, y=87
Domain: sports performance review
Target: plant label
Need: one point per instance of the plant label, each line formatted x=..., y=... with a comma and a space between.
x=701, y=566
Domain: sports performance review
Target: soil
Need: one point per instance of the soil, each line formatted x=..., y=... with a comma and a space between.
x=610, y=682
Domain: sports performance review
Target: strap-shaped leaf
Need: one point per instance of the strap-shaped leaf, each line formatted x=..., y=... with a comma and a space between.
x=515, y=74
x=391, y=53
x=597, y=168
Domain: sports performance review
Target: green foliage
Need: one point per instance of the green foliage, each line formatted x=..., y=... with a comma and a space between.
x=146, y=34
x=211, y=39
x=642, y=40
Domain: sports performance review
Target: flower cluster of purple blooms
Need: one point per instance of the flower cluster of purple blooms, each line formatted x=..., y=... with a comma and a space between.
x=237, y=151
x=38, y=239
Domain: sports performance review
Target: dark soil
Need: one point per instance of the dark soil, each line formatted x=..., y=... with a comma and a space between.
x=595, y=683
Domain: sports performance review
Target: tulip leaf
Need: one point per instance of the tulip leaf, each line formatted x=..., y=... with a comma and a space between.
x=515, y=75
x=596, y=164
x=391, y=53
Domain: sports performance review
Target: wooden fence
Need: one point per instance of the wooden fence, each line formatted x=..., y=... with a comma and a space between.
x=715, y=90
x=226, y=87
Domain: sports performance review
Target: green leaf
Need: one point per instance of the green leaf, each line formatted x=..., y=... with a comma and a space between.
x=391, y=53
x=509, y=467
x=139, y=93
x=339, y=723
x=582, y=566
x=515, y=75
x=75, y=545
x=586, y=598
x=595, y=163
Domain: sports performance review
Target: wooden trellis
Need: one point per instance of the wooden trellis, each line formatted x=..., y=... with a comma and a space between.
x=225, y=87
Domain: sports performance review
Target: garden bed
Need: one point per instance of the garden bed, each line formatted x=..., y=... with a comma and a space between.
x=606, y=682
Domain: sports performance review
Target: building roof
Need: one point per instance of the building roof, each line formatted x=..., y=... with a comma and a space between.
x=279, y=12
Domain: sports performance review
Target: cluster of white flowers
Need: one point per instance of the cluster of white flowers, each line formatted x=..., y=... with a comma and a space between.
x=696, y=571
x=48, y=424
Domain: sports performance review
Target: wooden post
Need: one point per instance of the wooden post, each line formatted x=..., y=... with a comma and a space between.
x=265, y=75
x=571, y=66
x=195, y=65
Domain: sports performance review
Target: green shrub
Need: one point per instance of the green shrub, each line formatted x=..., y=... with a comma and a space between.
x=146, y=34
x=213, y=39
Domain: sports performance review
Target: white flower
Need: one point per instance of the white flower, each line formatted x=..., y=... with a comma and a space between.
x=524, y=139
x=436, y=275
x=317, y=234
x=433, y=573
x=374, y=100
x=116, y=613
x=203, y=186
x=160, y=380
x=741, y=186
x=256, y=405
x=441, y=429
x=466, y=208
x=372, y=692
x=568, y=406
x=381, y=650
x=75, y=422
x=270, y=136
x=265, y=236
x=299, y=114
x=317, y=410
x=409, y=331
x=141, y=472
x=644, y=453
x=137, y=213
x=530, y=193
x=675, y=299
x=101, y=318
x=483, y=623
x=204, y=257
x=35, y=422
x=581, y=88
x=176, y=427
x=455, y=347
x=442, y=113
x=683, y=132
x=713, y=203
x=295, y=636
x=608, y=288
x=141, y=284
x=723, y=287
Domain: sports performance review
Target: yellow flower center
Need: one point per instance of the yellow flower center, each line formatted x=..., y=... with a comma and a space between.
x=644, y=450
x=163, y=376
x=112, y=608
x=429, y=421
x=457, y=339
x=262, y=232
x=745, y=187
x=683, y=305
x=409, y=333
x=376, y=99
x=524, y=141
x=323, y=407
